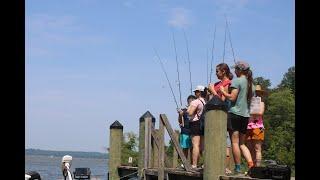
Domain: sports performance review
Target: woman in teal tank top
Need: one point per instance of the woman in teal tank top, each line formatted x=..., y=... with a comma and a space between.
x=238, y=114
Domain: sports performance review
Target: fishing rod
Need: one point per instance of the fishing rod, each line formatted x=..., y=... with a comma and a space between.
x=162, y=67
x=185, y=37
x=175, y=50
x=234, y=59
x=224, y=44
x=207, y=66
x=214, y=37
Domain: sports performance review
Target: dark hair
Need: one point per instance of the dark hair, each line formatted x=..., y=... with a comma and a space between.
x=191, y=97
x=224, y=67
x=204, y=92
x=248, y=74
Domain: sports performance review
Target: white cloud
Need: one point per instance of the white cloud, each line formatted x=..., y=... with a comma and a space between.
x=180, y=17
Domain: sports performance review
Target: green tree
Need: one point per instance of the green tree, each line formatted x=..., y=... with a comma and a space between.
x=169, y=149
x=265, y=83
x=129, y=149
x=288, y=80
x=279, y=122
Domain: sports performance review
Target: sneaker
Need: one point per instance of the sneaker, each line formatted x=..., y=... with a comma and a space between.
x=238, y=173
x=228, y=171
x=182, y=166
x=195, y=168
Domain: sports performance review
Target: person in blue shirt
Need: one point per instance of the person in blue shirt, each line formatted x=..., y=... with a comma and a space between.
x=184, y=138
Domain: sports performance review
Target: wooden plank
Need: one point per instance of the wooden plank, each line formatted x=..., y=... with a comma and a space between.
x=149, y=159
x=155, y=137
x=175, y=153
x=155, y=147
x=156, y=142
x=146, y=143
x=243, y=177
x=161, y=151
x=154, y=172
x=165, y=121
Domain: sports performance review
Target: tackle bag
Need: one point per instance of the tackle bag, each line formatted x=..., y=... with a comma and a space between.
x=214, y=103
x=273, y=171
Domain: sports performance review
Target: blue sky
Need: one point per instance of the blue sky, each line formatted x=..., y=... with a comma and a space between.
x=91, y=62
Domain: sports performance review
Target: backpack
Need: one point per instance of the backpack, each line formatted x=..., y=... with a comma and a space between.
x=214, y=103
x=271, y=171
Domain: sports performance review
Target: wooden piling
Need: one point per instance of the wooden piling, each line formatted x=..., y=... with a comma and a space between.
x=175, y=152
x=147, y=120
x=215, y=144
x=116, y=136
x=161, y=151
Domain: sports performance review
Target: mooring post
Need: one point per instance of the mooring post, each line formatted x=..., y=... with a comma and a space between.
x=116, y=136
x=147, y=120
x=175, y=153
x=215, y=142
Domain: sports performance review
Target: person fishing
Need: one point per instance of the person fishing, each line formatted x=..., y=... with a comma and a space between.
x=255, y=128
x=194, y=111
x=184, y=119
x=225, y=76
x=238, y=115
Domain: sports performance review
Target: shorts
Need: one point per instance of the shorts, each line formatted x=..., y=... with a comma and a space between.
x=237, y=123
x=185, y=141
x=255, y=134
x=195, y=128
x=228, y=141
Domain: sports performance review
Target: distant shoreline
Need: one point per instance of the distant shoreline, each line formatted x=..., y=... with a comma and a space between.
x=79, y=154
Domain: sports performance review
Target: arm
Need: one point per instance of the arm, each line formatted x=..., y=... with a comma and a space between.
x=223, y=98
x=232, y=96
x=180, y=118
x=211, y=89
x=191, y=110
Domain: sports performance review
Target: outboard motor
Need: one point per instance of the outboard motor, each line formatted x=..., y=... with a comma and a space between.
x=65, y=167
x=32, y=175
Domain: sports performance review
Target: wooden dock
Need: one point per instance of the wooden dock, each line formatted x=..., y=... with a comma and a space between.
x=152, y=157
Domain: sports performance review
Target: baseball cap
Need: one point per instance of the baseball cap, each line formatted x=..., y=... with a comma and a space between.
x=199, y=88
x=242, y=65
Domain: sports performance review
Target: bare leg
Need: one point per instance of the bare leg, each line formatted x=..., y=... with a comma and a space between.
x=185, y=152
x=235, y=147
x=228, y=160
x=245, y=151
x=258, y=154
x=195, y=149
x=250, y=145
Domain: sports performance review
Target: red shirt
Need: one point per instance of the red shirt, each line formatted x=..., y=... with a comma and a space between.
x=224, y=83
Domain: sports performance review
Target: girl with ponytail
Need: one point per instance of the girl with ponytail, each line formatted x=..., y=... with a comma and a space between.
x=238, y=114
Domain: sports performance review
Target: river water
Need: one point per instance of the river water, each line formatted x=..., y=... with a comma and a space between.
x=49, y=167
